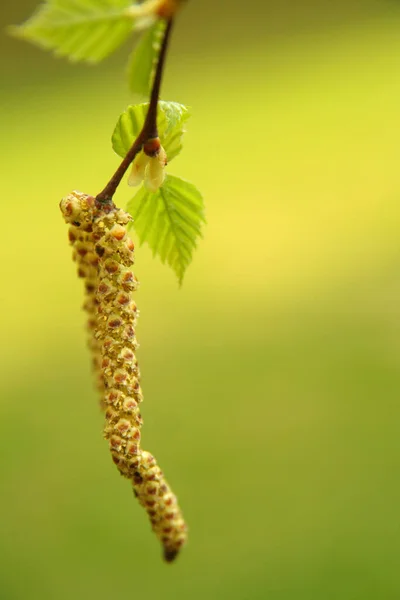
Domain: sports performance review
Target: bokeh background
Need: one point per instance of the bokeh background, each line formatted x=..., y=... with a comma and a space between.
x=272, y=378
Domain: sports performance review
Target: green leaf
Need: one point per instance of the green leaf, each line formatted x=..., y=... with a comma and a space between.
x=169, y=220
x=170, y=120
x=82, y=30
x=143, y=59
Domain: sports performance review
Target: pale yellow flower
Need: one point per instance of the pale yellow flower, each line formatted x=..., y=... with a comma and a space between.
x=150, y=169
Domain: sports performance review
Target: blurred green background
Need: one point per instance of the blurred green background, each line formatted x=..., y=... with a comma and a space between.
x=272, y=378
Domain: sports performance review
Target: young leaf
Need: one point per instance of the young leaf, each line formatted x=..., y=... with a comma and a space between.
x=169, y=220
x=143, y=59
x=170, y=120
x=82, y=30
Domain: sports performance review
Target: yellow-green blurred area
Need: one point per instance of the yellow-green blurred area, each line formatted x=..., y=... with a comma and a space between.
x=272, y=378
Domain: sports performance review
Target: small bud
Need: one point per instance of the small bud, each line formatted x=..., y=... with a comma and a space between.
x=120, y=376
x=127, y=280
x=122, y=299
x=115, y=443
x=113, y=397
x=126, y=355
x=123, y=427
x=110, y=414
x=72, y=234
x=130, y=404
x=132, y=449
x=118, y=232
x=111, y=266
x=122, y=217
x=114, y=321
x=105, y=287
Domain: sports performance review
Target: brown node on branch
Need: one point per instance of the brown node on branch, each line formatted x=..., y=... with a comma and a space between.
x=168, y=8
x=152, y=146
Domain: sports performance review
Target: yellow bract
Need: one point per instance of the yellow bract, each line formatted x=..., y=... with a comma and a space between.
x=150, y=169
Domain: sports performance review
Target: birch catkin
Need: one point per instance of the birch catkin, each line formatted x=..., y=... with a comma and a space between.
x=105, y=254
x=79, y=213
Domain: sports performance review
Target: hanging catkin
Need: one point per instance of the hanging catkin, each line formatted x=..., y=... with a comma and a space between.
x=105, y=254
x=79, y=213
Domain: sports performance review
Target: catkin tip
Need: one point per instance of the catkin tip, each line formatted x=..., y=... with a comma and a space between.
x=170, y=554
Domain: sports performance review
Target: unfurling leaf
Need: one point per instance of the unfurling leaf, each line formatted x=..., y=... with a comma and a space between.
x=170, y=120
x=82, y=30
x=143, y=59
x=169, y=221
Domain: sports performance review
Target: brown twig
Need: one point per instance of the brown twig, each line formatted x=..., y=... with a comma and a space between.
x=149, y=129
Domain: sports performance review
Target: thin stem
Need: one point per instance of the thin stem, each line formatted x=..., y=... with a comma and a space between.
x=150, y=124
x=149, y=129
